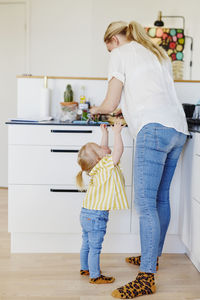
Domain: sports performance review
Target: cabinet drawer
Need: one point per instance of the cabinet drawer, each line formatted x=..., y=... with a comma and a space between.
x=38, y=209
x=60, y=135
x=52, y=164
x=55, y=209
x=39, y=165
x=52, y=135
x=195, y=178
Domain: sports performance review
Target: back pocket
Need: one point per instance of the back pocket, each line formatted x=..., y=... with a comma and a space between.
x=87, y=223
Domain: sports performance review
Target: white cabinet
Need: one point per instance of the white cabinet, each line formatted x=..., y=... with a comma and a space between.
x=55, y=209
x=195, y=215
x=190, y=208
x=52, y=135
x=44, y=203
x=195, y=234
x=35, y=164
x=196, y=177
x=44, y=208
x=43, y=197
x=42, y=164
x=186, y=193
x=60, y=135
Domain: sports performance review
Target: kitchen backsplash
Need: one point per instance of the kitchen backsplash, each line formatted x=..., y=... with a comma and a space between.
x=29, y=93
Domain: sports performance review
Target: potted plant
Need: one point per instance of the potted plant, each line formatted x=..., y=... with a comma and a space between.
x=68, y=107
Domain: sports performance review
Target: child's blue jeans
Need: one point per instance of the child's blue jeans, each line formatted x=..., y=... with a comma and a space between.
x=157, y=152
x=93, y=223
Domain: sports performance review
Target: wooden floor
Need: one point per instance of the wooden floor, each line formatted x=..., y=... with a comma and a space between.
x=56, y=276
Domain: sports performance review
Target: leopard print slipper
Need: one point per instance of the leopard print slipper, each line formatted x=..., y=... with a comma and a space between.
x=136, y=260
x=102, y=280
x=144, y=284
x=85, y=272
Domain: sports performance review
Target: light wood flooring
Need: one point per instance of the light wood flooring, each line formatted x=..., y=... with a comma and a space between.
x=56, y=276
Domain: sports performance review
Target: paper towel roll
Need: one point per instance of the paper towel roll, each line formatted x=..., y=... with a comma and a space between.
x=45, y=103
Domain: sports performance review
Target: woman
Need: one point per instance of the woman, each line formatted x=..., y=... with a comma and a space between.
x=142, y=72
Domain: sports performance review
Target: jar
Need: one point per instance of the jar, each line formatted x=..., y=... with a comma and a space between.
x=68, y=111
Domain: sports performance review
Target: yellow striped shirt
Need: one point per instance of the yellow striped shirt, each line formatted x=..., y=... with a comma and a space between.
x=106, y=190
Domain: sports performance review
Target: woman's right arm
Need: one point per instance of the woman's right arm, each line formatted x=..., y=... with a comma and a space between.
x=112, y=99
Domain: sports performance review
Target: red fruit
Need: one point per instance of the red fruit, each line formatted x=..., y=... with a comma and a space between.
x=172, y=45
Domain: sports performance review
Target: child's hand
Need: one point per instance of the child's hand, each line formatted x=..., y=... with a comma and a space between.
x=117, y=128
x=104, y=128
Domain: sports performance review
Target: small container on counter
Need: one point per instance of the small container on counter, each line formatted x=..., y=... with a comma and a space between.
x=68, y=111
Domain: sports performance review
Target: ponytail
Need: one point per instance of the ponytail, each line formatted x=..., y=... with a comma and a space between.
x=79, y=180
x=134, y=32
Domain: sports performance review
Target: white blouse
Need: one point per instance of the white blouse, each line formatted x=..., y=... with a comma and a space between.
x=149, y=94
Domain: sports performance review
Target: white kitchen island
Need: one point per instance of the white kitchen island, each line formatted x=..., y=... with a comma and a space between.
x=44, y=204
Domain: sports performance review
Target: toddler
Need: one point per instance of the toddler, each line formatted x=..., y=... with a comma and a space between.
x=106, y=191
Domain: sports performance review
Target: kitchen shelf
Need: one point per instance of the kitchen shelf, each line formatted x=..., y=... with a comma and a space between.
x=82, y=78
x=60, y=77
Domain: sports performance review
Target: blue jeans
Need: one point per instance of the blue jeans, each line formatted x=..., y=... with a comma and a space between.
x=157, y=152
x=93, y=223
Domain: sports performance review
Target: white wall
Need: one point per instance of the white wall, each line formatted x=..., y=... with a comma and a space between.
x=66, y=36
x=12, y=61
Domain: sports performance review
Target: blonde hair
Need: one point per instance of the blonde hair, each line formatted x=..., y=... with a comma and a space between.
x=88, y=157
x=134, y=32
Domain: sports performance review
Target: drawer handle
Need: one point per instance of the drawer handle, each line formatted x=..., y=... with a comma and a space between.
x=64, y=151
x=71, y=131
x=66, y=191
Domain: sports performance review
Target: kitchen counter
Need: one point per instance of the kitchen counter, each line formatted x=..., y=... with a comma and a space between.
x=53, y=122
x=192, y=128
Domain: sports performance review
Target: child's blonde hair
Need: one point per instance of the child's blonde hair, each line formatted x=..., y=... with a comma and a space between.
x=88, y=157
x=134, y=32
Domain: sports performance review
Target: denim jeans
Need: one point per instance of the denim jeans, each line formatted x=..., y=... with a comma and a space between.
x=93, y=223
x=157, y=151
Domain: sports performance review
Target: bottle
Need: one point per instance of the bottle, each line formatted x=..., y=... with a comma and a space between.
x=82, y=96
x=83, y=104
